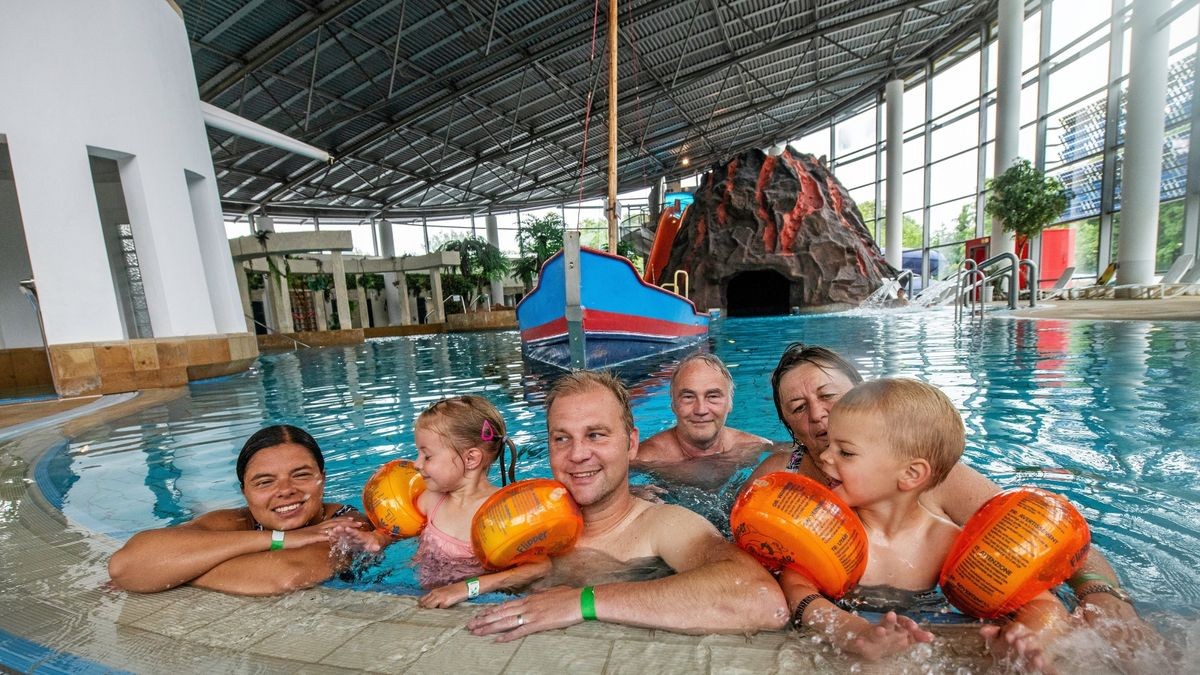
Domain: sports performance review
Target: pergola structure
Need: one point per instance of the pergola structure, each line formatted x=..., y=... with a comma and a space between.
x=265, y=255
x=462, y=106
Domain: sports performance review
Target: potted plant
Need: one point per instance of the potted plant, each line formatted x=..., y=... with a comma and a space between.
x=1026, y=201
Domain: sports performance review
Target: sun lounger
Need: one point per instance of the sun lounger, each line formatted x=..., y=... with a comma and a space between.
x=1059, y=290
x=1189, y=284
x=1098, y=289
x=1145, y=291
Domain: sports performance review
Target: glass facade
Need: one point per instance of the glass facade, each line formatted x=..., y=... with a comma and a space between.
x=1072, y=119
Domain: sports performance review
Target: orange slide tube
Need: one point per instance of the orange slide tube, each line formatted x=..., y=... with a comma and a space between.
x=664, y=239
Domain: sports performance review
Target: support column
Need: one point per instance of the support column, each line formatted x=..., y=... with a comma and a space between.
x=403, y=308
x=493, y=235
x=387, y=249
x=342, y=297
x=317, y=298
x=1142, y=172
x=364, y=315
x=435, y=282
x=894, y=248
x=281, y=296
x=1008, y=104
x=239, y=271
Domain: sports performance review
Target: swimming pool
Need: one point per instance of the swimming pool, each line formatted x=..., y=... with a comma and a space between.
x=1104, y=412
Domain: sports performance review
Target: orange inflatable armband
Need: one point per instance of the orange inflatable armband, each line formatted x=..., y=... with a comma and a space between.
x=390, y=498
x=525, y=521
x=788, y=520
x=1021, y=542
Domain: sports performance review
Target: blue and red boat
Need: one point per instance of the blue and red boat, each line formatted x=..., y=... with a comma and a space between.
x=612, y=319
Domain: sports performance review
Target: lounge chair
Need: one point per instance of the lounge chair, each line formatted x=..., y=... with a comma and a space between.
x=1189, y=284
x=1059, y=290
x=1098, y=289
x=1144, y=291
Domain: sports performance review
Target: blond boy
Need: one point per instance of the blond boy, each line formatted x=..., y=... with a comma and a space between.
x=891, y=440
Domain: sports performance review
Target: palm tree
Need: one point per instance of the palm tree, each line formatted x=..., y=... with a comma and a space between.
x=480, y=262
x=537, y=240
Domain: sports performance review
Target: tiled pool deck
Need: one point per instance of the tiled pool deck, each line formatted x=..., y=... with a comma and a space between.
x=57, y=614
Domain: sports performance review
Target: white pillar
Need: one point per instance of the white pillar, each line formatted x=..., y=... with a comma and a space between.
x=493, y=235
x=239, y=270
x=317, y=298
x=435, y=282
x=387, y=249
x=364, y=315
x=345, y=321
x=1008, y=104
x=1142, y=173
x=894, y=247
x=403, y=305
x=284, y=306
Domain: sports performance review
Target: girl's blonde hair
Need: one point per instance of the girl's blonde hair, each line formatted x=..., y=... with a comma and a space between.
x=472, y=422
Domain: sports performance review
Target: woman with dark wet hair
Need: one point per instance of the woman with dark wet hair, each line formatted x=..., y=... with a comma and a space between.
x=810, y=380
x=279, y=542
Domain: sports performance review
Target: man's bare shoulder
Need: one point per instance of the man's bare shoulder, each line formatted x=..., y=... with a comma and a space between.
x=670, y=520
x=661, y=447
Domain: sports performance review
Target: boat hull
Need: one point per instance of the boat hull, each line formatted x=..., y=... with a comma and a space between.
x=623, y=319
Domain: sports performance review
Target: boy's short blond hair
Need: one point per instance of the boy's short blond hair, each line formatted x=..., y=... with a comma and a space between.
x=581, y=381
x=920, y=420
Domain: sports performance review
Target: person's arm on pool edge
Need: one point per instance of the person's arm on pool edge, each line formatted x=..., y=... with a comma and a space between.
x=965, y=490
x=717, y=588
x=213, y=550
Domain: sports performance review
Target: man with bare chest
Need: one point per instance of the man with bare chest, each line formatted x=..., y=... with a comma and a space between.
x=713, y=587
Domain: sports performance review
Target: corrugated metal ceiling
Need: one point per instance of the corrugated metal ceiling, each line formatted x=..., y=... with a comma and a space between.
x=454, y=106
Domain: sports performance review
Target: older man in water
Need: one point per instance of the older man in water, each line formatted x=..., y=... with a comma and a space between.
x=700, y=450
x=714, y=587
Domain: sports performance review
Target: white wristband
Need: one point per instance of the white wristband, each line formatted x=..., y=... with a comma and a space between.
x=276, y=540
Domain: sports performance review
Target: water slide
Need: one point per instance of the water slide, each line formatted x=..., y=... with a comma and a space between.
x=664, y=239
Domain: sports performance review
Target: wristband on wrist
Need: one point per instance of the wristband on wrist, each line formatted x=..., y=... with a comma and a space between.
x=472, y=588
x=587, y=603
x=276, y=540
x=1082, y=578
x=798, y=615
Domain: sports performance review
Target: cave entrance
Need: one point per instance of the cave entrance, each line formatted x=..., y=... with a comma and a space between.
x=757, y=293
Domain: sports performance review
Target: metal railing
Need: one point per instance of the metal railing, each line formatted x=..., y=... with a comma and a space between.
x=974, y=279
x=276, y=331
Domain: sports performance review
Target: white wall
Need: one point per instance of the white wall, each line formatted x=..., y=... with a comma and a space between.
x=112, y=78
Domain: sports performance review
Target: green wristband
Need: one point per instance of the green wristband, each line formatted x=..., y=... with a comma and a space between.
x=587, y=603
x=1082, y=578
x=276, y=540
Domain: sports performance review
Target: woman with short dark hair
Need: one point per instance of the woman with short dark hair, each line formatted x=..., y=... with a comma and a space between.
x=279, y=542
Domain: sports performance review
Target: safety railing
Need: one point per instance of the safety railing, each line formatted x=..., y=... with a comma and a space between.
x=295, y=343
x=674, y=284
x=974, y=280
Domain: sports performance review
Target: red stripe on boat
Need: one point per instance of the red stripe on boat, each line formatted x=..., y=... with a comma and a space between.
x=613, y=322
x=596, y=321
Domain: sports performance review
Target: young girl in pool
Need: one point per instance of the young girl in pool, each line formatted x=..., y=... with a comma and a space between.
x=458, y=439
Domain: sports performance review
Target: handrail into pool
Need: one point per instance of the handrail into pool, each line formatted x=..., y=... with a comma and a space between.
x=277, y=332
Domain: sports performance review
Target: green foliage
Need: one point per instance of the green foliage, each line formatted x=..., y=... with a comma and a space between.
x=1025, y=200
x=911, y=228
x=479, y=260
x=537, y=240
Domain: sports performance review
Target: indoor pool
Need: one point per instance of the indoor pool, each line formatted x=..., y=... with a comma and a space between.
x=1104, y=412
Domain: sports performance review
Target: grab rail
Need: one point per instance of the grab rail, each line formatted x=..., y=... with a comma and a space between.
x=673, y=285
x=277, y=332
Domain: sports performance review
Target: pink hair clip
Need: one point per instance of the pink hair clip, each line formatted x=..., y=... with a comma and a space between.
x=487, y=433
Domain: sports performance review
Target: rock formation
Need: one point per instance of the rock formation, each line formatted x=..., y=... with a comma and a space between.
x=767, y=233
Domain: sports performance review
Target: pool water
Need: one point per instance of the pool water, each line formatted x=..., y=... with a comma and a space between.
x=1107, y=413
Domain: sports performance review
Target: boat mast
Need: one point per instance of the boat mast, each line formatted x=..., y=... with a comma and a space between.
x=613, y=234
